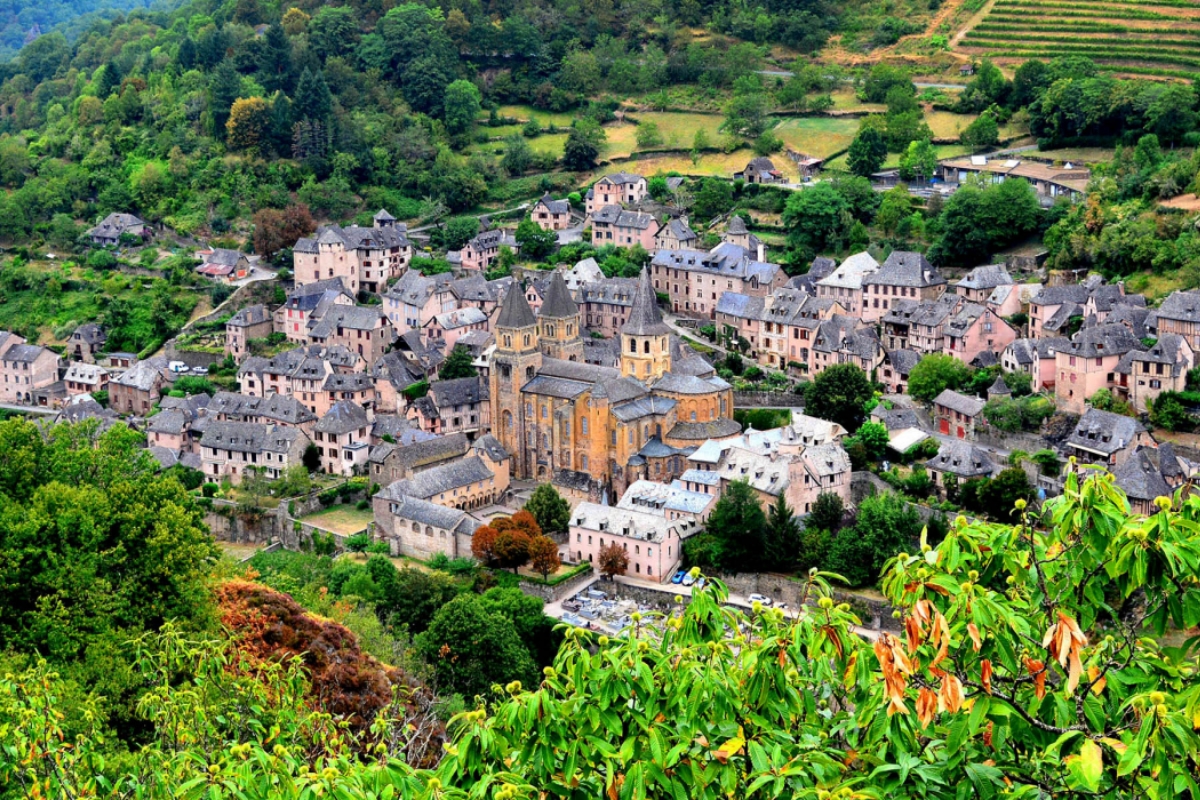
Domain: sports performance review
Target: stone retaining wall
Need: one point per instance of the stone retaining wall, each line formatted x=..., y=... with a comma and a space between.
x=767, y=400
x=552, y=594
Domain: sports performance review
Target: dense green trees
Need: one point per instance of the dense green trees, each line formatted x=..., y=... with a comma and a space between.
x=867, y=153
x=734, y=537
x=458, y=364
x=886, y=525
x=840, y=394
x=978, y=221
x=471, y=646
x=552, y=512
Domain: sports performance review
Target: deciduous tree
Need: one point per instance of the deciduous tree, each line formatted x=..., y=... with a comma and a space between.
x=839, y=394
x=612, y=560
x=543, y=556
x=552, y=512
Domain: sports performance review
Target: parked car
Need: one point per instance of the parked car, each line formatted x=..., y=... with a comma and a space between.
x=699, y=585
x=759, y=598
x=679, y=576
x=688, y=580
x=178, y=367
x=199, y=370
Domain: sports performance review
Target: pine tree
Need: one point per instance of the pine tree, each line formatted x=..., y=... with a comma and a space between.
x=783, y=537
x=312, y=98
x=552, y=512
x=223, y=89
x=457, y=365
x=275, y=60
x=108, y=81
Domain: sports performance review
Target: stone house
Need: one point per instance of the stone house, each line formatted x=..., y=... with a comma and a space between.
x=1102, y=437
x=26, y=369
x=228, y=449
x=897, y=365
x=976, y=329
x=419, y=529
x=978, y=285
x=1089, y=363
x=614, y=225
x=281, y=410
x=1150, y=473
x=391, y=462
x=136, y=389
x=694, y=280
x=446, y=328
x=366, y=259
x=620, y=188
x=845, y=284
x=304, y=373
x=1050, y=301
x=675, y=234
x=1180, y=315
x=956, y=414
x=474, y=482
x=108, y=232
x=961, y=460
x=365, y=330
x=224, y=265
x=1037, y=358
x=291, y=318
x=86, y=343
x=172, y=429
x=1162, y=368
x=551, y=215
x=903, y=275
x=605, y=304
x=479, y=253
x=343, y=435
x=454, y=406
x=415, y=299
x=583, y=273
x=252, y=322
x=760, y=170
x=84, y=378
x=844, y=340
x=652, y=543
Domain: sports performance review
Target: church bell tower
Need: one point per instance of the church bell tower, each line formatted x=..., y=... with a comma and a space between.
x=515, y=362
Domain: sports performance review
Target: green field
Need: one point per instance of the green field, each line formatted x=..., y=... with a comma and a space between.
x=818, y=136
x=1137, y=37
x=345, y=520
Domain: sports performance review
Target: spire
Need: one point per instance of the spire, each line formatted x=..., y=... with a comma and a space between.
x=515, y=313
x=645, y=319
x=558, y=303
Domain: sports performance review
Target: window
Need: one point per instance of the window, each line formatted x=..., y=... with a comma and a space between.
x=583, y=426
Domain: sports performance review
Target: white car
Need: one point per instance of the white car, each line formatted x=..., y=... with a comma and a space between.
x=759, y=598
x=177, y=367
x=688, y=579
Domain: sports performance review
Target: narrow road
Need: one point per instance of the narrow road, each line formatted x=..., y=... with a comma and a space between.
x=783, y=73
x=433, y=225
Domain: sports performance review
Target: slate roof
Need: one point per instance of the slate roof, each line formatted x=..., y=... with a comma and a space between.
x=555, y=206
x=1103, y=340
x=903, y=268
x=356, y=238
x=491, y=446
x=652, y=497
x=988, y=276
x=493, y=238
x=415, y=289
x=1024, y=351
x=963, y=404
x=648, y=406
x=280, y=407
x=558, y=303
x=473, y=288
x=24, y=352
x=962, y=459
x=897, y=418
x=382, y=215
x=515, y=312
x=361, y=318
x=348, y=382
x=706, y=477
x=621, y=178
x=679, y=229
x=618, y=216
x=344, y=416
x=223, y=257
x=430, y=451
x=1167, y=350
x=683, y=384
x=250, y=437
x=413, y=509
x=826, y=459
x=742, y=306
x=443, y=478
x=700, y=431
x=250, y=315
x=1062, y=317
x=999, y=387
x=142, y=375
x=1181, y=306
x=737, y=225
x=116, y=223
x=610, y=291
x=1108, y=297
x=851, y=272
x=84, y=373
x=396, y=370
x=91, y=333
x=903, y=360
x=726, y=260
x=169, y=421
x=306, y=297
x=460, y=318
x=1140, y=479
x=1104, y=432
x=459, y=392
x=645, y=318
x=1057, y=295
x=1135, y=318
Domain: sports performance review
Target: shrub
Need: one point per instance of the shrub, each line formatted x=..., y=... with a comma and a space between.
x=363, y=505
x=328, y=497
x=209, y=489
x=358, y=542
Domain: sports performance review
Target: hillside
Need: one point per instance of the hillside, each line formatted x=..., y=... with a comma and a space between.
x=24, y=21
x=1131, y=37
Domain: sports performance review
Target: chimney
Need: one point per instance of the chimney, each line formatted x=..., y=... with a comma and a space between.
x=762, y=252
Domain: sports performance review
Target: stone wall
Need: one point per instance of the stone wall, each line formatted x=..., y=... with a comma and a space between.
x=552, y=594
x=767, y=400
x=227, y=525
x=1029, y=442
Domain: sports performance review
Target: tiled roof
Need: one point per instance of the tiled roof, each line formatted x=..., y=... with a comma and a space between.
x=1140, y=479
x=250, y=437
x=962, y=459
x=515, y=312
x=250, y=315
x=851, y=272
x=277, y=407
x=459, y=391
x=1103, y=340
x=988, y=276
x=413, y=509
x=558, y=303
x=555, y=206
x=618, y=216
x=903, y=268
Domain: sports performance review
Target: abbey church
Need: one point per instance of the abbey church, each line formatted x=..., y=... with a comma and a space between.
x=574, y=423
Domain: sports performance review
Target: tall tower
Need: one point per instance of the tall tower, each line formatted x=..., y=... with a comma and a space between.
x=515, y=362
x=559, y=323
x=645, y=338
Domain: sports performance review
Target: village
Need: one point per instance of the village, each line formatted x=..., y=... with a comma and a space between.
x=455, y=396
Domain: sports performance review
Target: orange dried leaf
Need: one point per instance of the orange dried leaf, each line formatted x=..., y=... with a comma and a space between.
x=927, y=706
x=985, y=675
x=1098, y=683
x=973, y=632
x=951, y=694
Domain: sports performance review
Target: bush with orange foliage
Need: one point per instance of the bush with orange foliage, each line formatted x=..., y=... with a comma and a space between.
x=346, y=681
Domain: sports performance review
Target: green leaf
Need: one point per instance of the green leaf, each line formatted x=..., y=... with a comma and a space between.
x=1087, y=768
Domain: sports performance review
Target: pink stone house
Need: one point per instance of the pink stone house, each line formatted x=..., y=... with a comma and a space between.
x=1089, y=364
x=973, y=330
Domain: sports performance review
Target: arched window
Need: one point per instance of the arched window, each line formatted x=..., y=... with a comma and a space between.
x=646, y=346
x=583, y=463
x=428, y=530
x=508, y=420
x=507, y=341
x=583, y=426
x=633, y=345
x=527, y=340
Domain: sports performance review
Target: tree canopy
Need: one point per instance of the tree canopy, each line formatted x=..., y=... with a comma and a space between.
x=840, y=394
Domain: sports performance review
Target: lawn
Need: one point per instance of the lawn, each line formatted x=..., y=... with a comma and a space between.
x=523, y=114
x=346, y=520
x=817, y=136
x=717, y=164
x=1085, y=155
x=847, y=100
x=947, y=124
x=678, y=130
x=238, y=552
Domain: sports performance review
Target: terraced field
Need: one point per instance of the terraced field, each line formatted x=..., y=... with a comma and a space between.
x=1137, y=37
